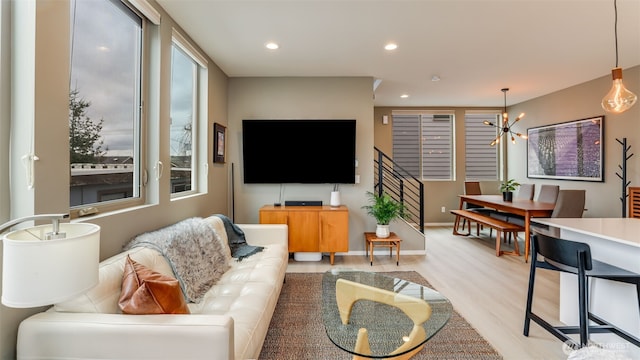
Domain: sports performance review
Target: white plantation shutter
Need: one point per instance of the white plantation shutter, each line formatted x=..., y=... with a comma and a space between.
x=481, y=159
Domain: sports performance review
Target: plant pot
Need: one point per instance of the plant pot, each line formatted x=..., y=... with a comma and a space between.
x=507, y=196
x=382, y=231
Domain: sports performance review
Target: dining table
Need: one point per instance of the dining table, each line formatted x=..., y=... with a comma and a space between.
x=523, y=207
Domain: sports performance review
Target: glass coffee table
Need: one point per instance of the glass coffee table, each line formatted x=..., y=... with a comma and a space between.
x=371, y=315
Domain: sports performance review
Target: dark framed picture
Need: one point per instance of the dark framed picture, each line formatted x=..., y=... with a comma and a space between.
x=218, y=143
x=572, y=150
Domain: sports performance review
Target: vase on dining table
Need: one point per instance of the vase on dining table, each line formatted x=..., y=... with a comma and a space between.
x=507, y=196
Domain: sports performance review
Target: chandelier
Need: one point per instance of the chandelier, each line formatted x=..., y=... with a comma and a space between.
x=505, y=127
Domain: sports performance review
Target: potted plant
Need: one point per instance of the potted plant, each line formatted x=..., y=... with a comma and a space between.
x=384, y=209
x=507, y=188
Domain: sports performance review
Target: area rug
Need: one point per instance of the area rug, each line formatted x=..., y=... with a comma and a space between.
x=297, y=331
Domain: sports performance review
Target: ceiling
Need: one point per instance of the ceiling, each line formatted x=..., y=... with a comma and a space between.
x=476, y=47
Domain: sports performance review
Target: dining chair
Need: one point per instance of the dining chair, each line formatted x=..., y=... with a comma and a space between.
x=525, y=192
x=473, y=188
x=569, y=204
x=634, y=202
x=554, y=253
x=548, y=193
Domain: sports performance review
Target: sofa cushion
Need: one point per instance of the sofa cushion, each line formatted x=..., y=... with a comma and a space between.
x=248, y=292
x=103, y=298
x=145, y=291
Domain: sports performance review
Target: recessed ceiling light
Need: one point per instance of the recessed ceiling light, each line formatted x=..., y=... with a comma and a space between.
x=404, y=96
x=390, y=46
x=272, y=46
x=435, y=78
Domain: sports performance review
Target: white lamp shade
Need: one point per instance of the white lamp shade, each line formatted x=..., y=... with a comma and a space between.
x=43, y=272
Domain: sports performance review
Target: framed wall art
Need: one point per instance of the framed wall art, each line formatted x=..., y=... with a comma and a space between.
x=218, y=143
x=572, y=150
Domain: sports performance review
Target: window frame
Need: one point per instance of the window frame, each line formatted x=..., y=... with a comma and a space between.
x=5, y=109
x=180, y=43
x=140, y=174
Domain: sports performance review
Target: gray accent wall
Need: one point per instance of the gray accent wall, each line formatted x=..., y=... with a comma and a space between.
x=304, y=98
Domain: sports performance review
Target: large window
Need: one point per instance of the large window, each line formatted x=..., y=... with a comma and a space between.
x=105, y=102
x=481, y=159
x=423, y=144
x=183, y=110
x=186, y=65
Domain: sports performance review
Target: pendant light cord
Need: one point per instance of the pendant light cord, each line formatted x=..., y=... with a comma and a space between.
x=615, y=27
x=505, y=100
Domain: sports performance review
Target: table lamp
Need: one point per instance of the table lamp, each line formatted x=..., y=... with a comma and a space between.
x=47, y=264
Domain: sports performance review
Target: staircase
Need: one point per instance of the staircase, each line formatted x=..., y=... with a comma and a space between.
x=392, y=179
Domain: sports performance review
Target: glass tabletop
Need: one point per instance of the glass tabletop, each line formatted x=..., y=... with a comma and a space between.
x=380, y=305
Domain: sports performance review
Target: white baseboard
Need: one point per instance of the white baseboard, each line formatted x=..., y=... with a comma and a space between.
x=438, y=224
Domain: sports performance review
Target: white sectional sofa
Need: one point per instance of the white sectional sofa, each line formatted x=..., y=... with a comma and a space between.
x=230, y=322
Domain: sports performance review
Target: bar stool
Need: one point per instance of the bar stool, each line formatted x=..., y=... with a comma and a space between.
x=575, y=257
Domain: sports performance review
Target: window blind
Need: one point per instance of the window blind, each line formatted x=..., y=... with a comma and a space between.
x=406, y=143
x=423, y=144
x=437, y=146
x=481, y=159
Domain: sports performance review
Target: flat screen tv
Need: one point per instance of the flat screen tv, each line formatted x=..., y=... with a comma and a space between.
x=299, y=151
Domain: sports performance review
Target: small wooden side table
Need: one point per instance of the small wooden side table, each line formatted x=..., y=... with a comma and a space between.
x=370, y=241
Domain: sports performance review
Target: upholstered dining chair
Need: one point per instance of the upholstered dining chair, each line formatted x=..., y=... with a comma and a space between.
x=548, y=193
x=473, y=188
x=553, y=253
x=526, y=191
x=569, y=204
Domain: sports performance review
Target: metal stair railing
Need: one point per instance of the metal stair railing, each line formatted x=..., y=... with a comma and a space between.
x=392, y=179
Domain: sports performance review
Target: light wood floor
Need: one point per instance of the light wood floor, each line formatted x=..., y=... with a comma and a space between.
x=488, y=291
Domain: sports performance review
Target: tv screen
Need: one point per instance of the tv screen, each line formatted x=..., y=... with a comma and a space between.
x=299, y=151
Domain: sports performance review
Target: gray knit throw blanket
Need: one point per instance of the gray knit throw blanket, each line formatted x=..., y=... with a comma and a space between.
x=194, y=251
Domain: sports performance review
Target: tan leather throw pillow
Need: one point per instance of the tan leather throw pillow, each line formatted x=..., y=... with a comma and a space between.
x=145, y=291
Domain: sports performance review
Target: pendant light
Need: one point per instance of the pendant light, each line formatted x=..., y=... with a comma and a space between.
x=505, y=127
x=619, y=99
